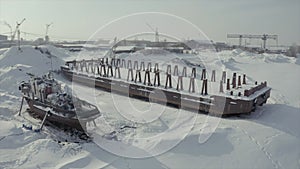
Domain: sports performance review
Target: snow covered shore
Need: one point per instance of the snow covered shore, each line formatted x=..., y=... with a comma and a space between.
x=268, y=138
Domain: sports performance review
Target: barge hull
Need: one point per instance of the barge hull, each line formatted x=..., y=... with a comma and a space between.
x=216, y=105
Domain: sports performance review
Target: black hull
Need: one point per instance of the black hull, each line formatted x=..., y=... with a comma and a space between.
x=37, y=110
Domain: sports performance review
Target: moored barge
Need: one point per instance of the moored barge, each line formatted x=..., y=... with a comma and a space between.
x=109, y=74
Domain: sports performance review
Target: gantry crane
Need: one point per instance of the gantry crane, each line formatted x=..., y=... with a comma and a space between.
x=263, y=37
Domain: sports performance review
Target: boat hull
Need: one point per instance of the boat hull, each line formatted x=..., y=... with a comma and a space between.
x=39, y=110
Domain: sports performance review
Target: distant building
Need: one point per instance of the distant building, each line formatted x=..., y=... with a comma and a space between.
x=3, y=37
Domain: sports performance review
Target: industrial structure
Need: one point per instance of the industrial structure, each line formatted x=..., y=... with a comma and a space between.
x=17, y=30
x=46, y=34
x=263, y=37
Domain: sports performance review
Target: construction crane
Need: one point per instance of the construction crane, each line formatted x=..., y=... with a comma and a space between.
x=263, y=37
x=10, y=28
x=156, y=32
x=17, y=30
x=46, y=34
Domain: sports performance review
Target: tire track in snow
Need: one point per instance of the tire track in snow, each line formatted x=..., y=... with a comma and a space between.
x=276, y=164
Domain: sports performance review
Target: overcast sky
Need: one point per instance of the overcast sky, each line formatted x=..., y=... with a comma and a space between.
x=216, y=18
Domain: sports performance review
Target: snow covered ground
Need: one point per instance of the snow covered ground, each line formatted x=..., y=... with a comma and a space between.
x=268, y=138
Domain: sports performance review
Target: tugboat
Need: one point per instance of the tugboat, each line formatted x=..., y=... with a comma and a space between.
x=48, y=101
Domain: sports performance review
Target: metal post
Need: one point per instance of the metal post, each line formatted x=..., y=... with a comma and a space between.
x=224, y=76
x=239, y=81
x=168, y=80
x=175, y=73
x=138, y=75
x=234, y=80
x=244, y=79
x=228, y=84
x=21, y=106
x=179, y=83
x=203, y=76
x=221, y=87
x=44, y=119
x=184, y=74
x=213, y=76
x=156, y=75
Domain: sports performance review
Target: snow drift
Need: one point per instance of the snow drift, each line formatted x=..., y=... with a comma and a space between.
x=16, y=64
x=268, y=138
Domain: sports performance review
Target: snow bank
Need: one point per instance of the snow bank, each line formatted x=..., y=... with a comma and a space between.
x=15, y=64
x=297, y=60
x=238, y=54
x=268, y=138
x=58, y=52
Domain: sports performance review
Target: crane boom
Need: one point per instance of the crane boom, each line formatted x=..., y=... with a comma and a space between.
x=47, y=28
x=16, y=30
x=156, y=32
